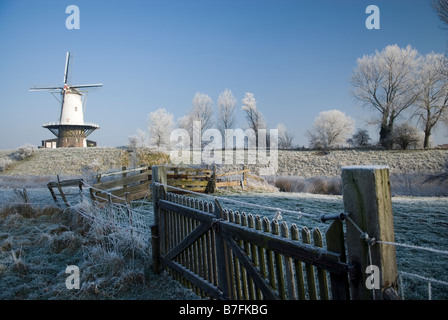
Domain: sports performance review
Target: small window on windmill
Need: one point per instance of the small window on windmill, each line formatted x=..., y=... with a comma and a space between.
x=76, y=109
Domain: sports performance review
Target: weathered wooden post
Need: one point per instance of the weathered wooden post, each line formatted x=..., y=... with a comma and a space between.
x=211, y=184
x=367, y=199
x=244, y=178
x=158, y=176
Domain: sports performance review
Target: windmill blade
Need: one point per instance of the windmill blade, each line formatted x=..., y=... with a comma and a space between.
x=87, y=85
x=67, y=62
x=46, y=88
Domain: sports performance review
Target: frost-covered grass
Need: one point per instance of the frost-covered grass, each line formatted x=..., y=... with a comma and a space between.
x=405, y=184
x=79, y=161
x=38, y=243
x=418, y=221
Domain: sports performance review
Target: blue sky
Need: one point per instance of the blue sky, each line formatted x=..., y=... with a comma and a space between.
x=296, y=57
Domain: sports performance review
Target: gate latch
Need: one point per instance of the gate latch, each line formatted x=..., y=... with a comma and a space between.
x=340, y=216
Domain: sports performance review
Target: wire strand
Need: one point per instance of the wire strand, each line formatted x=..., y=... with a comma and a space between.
x=299, y=213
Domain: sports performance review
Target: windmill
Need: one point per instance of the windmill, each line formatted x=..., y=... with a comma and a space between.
x=70, y=130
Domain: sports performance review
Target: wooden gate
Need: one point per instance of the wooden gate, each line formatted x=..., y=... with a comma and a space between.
x=231, y=255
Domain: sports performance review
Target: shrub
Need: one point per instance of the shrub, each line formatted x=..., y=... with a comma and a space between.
x=25, y=151
x=4, y=164
x=316, y=185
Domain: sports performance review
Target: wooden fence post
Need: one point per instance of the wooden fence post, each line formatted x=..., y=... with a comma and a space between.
x=367, y=199
x=158, y=176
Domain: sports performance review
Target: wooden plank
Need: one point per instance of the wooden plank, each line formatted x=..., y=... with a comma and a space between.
x=261, y=252
x=148, y=169
x=278, y=264
x=249, y=281
x=176, y=170
x=335, y=243
x=251, y=176
x=306, y=238
x=269, y=255
x=50, y=187
x=254, y=254
x=188, y=176
x=197, y=281
x=192, y=213
x=123, y=181
x=228, y=183
x=288, y=266
x=298, y=267
x=63, y=195
x=321, y=274
x=187, y=183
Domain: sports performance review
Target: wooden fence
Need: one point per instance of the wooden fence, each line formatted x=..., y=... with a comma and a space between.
x=132, y=184
x=231, y=255
x=125, y=185
x=56, y=190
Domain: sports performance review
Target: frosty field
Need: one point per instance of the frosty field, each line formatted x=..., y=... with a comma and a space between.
x=418, y=221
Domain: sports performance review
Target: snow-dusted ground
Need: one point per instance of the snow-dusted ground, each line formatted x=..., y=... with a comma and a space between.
x=418, y=221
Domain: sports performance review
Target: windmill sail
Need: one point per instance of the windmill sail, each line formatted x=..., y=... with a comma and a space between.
x=67, y=61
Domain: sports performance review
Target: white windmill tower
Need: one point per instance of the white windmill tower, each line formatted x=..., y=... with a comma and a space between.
x=70, y=130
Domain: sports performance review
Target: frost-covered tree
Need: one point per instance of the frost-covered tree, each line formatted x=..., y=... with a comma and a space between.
x=432, y=103
x=284, y=137
x=330, y=129
x=386, y=82
x=137, y=141
x=160, y=125
x=201, y=114
x=226, y=109
x=254, y=117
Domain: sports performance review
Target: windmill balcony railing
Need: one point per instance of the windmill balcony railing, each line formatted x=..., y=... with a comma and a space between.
x=70, y=124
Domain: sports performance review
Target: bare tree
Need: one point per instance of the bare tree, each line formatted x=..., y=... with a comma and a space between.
x=226, y=109
x=330, y=129
x=284, y=137
x=385, y=81
x=160, y=125
x=432, y=103
x=441, y=8
x=405, y=135
x=360, y=139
